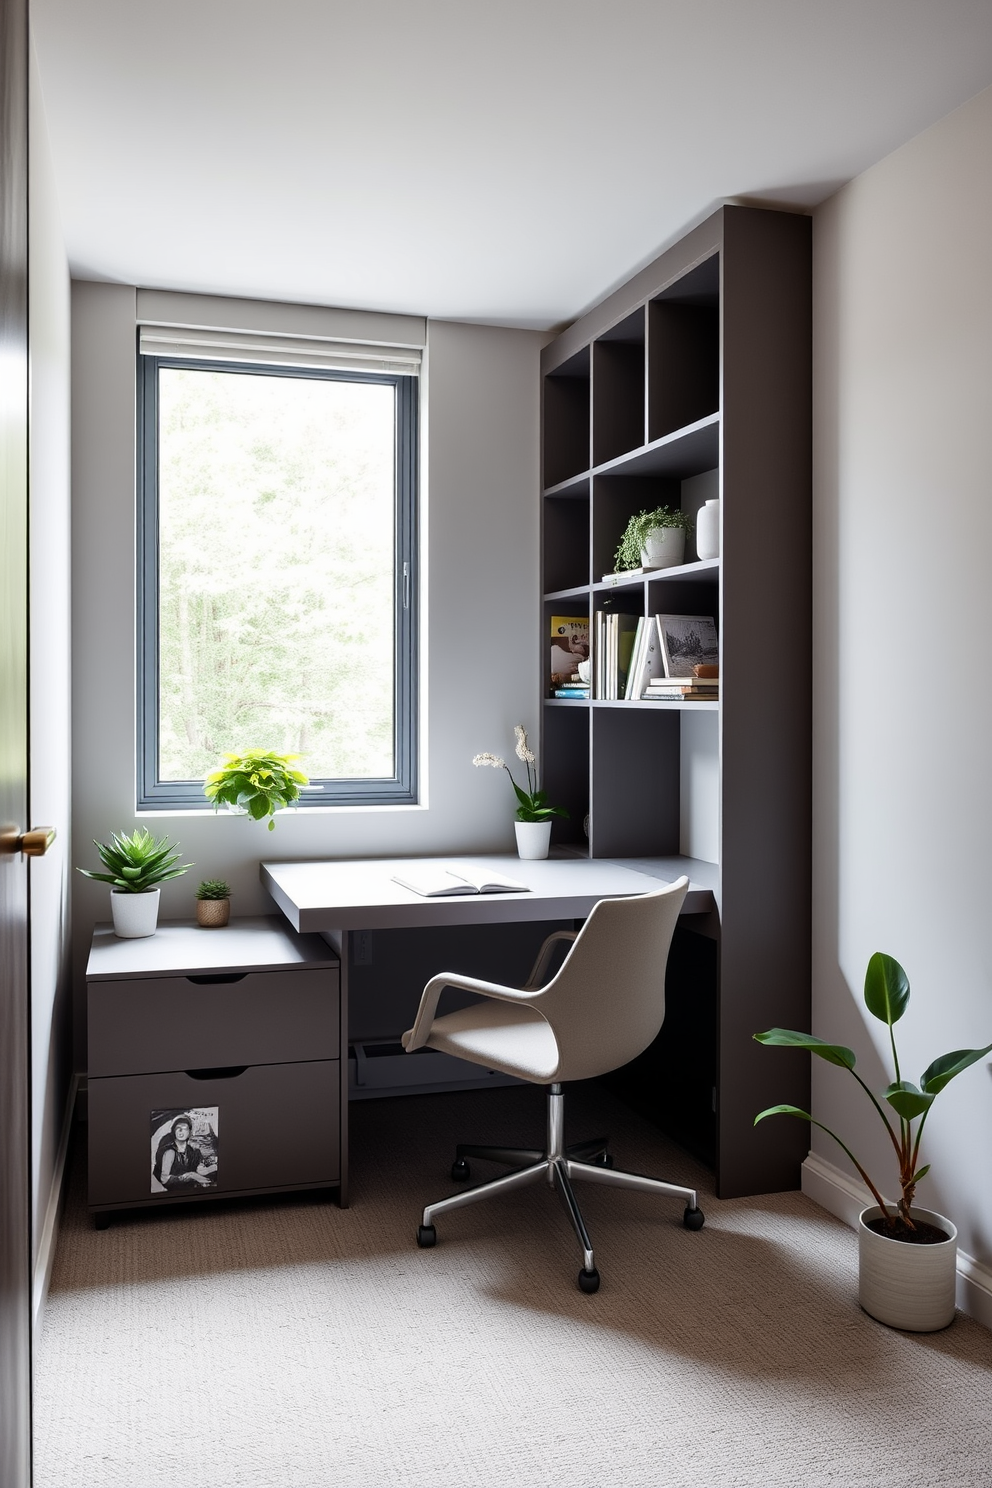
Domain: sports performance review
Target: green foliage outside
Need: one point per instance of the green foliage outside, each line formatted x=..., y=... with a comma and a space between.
x=277, y=571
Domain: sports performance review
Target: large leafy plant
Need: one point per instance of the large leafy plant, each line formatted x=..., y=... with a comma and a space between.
x=886, y=998
x=532, y=804
x=137, y=863
x=628, y=554
x=259, y=782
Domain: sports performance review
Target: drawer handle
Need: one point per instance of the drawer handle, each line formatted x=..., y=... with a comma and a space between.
x=218, y=1072
x=216, y=978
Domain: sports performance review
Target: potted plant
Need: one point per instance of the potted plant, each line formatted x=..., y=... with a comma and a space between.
x=532, y=824
x=907, y=1254
x=136, y=866
x=653, y=539
x=213, y=903
x=257, y=783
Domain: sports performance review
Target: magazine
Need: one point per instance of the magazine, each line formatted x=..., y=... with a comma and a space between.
x=434, y=882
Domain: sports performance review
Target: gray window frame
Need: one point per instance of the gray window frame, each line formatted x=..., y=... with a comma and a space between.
x=153, y=793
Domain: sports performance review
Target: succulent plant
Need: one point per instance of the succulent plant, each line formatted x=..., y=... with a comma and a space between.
x=137, y=863
x=214, y=888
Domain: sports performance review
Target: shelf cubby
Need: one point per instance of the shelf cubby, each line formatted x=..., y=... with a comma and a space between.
x=565, y=547
x=566, y=420
x=618, y=389
x=684, y=352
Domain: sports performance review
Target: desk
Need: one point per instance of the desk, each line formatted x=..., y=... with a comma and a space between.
x=340, y=898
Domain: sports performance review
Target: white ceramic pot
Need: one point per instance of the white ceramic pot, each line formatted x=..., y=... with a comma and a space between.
x=708, y=530
x=533, y=839
x=907, y=1286
x=134, y=915
x=664, y=547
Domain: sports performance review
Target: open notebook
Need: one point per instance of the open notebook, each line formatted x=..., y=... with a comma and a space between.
x=433, y=882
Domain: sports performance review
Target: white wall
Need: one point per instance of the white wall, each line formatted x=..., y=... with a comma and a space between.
x=903, y=620
x=481, y=654
x=48, y=312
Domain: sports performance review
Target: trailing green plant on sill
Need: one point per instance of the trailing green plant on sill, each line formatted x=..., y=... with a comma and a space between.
x=137, y=863
x=532, y=804
x=213, y=888
x=628, y=554
x=259, y=782
x=886, y=998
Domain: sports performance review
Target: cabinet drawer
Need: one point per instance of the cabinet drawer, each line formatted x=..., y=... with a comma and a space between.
x=268, y=1127
x=194, y=1022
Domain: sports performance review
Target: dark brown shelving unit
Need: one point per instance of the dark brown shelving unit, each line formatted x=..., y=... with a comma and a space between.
x=692, y=381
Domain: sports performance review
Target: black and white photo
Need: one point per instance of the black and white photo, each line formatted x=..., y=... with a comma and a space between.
x=687, y=641
x=184, y=1149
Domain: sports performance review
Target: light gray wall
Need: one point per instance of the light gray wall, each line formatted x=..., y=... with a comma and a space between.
x=903, y=617
x=480, y=652
x=48, y=311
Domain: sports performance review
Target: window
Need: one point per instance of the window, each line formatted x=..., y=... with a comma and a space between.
x=277, y=524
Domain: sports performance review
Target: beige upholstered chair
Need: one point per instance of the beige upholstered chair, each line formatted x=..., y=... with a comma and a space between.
x=605, y=1004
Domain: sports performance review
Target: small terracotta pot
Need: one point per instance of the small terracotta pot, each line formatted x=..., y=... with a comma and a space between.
x=213, y=913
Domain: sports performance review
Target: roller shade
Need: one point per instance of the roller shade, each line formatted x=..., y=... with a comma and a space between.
x=278, y=351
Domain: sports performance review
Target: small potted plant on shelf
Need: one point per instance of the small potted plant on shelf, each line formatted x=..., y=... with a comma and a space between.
x=907, y=1255
x=532, y=824
x=136, y=866
x=257, y=783
x=653, y=539
x=213, y=903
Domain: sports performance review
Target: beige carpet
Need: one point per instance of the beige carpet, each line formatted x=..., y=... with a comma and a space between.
x=293, y=1345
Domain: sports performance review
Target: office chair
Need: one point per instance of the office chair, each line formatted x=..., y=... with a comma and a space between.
x=603, y=1007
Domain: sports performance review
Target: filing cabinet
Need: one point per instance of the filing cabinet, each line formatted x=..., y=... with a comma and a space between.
x=214, y=1065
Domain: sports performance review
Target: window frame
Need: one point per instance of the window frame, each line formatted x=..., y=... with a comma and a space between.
x=155, y=794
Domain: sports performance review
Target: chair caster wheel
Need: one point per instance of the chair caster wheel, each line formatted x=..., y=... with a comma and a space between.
x=426, y=1236
x=588, y=1281
x=693, y=1219
x=460, y=1170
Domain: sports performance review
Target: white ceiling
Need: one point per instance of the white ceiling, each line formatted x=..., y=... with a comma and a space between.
x=506, y=162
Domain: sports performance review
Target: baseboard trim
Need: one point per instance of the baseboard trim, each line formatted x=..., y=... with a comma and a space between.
x=53, y=1212
x=844, y=1197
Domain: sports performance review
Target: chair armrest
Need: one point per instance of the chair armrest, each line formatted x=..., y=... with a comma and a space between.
x=420, y=1032
x=536, y=978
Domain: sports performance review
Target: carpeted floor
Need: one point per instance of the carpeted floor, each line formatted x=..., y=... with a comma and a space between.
x=294, y=1345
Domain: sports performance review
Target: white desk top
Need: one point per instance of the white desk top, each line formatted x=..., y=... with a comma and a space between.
x=359, y=894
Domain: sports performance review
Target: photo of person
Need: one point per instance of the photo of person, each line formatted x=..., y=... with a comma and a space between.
x=184, y=1151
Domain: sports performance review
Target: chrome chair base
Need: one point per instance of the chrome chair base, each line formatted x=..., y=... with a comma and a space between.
x=558, y=1166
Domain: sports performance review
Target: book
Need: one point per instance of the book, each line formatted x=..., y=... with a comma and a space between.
x=438, y=882
x=569, y=645
x=686, y=641
x=646, y=662
x=571, y=692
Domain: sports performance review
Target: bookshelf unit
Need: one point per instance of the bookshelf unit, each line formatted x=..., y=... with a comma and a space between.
x=693, y=381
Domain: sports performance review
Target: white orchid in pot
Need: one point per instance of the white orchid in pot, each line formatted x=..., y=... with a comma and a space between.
x=532, y=823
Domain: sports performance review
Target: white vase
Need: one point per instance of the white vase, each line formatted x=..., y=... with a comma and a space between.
x=907, y=1286
x=708, y=530
x=664, y=547
x=533, y=839
x=134, y=915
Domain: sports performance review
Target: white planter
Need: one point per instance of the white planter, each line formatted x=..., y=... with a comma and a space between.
x=708, y=530
x=134, y=915
x=533, y=839
x=664, y=547
x=907, y=1286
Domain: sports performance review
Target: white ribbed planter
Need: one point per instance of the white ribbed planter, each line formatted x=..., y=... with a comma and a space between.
x=664, y=547
x=907, y=1286
x=134, y=915
x=533, y=839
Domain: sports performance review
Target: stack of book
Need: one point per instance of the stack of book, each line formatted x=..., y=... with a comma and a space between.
x=573, y=688
x=696, y=688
